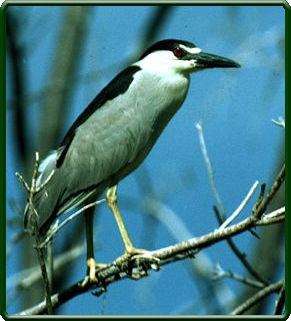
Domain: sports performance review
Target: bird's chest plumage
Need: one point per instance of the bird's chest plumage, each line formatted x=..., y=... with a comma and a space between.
x=126, y=128
x=157, y=93
x=155, y=99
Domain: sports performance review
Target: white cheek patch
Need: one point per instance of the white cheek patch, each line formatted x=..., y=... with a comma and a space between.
x=191, y=50
x=156, y=61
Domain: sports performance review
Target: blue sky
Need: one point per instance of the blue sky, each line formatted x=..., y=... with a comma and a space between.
x=236, y=107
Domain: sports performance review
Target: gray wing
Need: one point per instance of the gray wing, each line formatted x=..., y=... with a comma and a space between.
x=100, y=151
x=108, y=145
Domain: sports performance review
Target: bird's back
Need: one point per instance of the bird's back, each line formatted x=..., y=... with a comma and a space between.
x=108, y=145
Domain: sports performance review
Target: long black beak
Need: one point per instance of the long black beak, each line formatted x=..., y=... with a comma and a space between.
x=206, y=60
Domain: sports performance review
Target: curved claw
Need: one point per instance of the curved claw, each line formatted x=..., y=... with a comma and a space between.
x=93, y=267
x=85, y=282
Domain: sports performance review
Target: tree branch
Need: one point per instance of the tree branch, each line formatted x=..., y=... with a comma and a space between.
x=135, y=268
x=267, y=199
x=279, y=305
x=280, y=122
x=258, y=297
x=241, y=206
x=221, y=213
x=221, y=273
x=241, y=256
x=32, y=190
x=132, y=267
x=209, y=168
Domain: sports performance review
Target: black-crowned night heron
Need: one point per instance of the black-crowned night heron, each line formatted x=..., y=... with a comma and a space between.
x=115, y=133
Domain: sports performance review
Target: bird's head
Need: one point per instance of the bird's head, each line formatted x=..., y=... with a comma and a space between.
x=181, y=56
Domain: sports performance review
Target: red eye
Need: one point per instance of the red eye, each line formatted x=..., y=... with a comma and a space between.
x=178, y=52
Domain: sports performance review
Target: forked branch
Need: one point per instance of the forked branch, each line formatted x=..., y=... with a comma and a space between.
x=180, y=251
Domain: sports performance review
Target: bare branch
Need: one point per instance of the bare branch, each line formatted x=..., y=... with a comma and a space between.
x=279, y=305
x=43, y=271
x=272, y=191
x=209, y=167
x=221, y=273
x=202, y=265
x=277, y=216
x=23, y=182
x=241, y=206
x=34, y=218
x=280, y=211
x=271, y=220
x=221, y=217
x=280, y=122
x=114, y=273
x=45, y=182
x=241, y=256
x=133, y=266
x=275, y=287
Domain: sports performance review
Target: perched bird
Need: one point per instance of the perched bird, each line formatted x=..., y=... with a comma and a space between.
x=115, y=133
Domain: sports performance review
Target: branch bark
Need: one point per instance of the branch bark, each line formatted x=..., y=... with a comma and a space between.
x=258, y=297
x=134, y=268
x=114, y=273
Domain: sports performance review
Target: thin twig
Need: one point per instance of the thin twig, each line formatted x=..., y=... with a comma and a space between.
x=235, y=249
x=50, y=265
x=240, y=207
x=56, y=229
x=221, y=214
x=260, y=198
x=275, y=287
x=279, y=305
x=114, y=273
x=272, y=191
x=275, y=213
x=272, y=220
x=180, y=251
x=209, y=167
x=280, y=122
x=277, y=216
x=45, y=182
x=23, y=182
x=202, y=265
x=241, y=256
x=34, y=218
x=44, y=273
x=221, y=273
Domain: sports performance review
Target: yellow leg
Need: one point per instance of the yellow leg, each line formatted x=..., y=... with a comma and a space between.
x=130, y=250
x=111, y=198
x=91, y=263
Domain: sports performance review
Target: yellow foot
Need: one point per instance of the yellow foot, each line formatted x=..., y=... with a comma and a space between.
x=143, y=260
x=91, y=272
x=130, y=254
